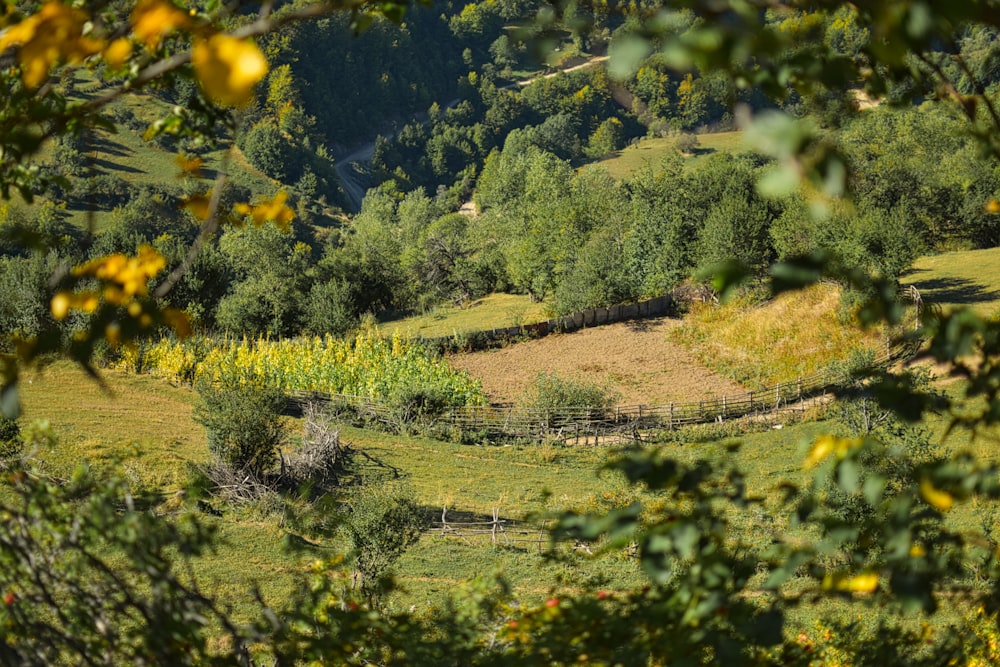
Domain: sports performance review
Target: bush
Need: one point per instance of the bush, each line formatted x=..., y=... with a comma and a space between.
x=554, y=394
x=552, y=391
x=10, y=438
x=243, y=424
x=384, y=521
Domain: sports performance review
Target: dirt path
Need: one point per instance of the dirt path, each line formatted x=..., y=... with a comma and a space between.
x=633, y=358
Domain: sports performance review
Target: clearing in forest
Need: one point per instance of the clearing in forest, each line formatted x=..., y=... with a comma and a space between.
x=634, y=359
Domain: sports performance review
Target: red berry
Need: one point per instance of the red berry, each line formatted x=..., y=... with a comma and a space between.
x=552, y=602
x=8, y=599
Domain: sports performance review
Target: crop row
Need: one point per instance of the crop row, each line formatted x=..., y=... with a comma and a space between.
x=367, y=365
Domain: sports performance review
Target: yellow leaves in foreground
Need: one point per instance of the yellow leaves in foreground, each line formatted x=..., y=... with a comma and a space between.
x=54, y=33
x=829, y=444
x=275, y=211
x=123, y=278
x=936, y=498
x=866, y=582
x=228, y=68
x=152, y=20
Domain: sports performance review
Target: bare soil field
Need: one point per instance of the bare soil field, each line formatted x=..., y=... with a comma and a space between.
x=632, y=358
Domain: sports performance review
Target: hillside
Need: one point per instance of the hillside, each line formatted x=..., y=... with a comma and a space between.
x=968, y=278
x=633, y=360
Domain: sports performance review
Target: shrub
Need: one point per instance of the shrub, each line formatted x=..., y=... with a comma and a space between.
x=554, y=394
x=10, y=438
x=384, y=521
x=243, y=424
x=552, y=391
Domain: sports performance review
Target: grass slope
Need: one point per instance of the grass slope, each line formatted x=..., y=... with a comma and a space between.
x=146, y=426
x=794, y=336
x=650, y=151
x=968, y=278
x=495, y=311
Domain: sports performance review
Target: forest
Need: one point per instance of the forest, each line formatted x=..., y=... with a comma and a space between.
x=176, y=202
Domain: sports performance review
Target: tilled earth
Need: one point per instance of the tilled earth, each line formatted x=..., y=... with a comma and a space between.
x=634, y=359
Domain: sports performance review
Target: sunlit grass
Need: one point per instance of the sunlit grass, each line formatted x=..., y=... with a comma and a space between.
x=968, y=278
x=651, y=151
x=495, y=311
x=791, y=337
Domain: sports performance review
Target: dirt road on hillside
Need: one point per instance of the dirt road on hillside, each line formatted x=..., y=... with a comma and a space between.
x=633, y=358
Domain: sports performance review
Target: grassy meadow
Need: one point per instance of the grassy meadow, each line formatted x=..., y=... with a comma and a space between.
x=493, y=311
x=651, y=150
x=763, y=344
x=969, y=278
x=145, y=426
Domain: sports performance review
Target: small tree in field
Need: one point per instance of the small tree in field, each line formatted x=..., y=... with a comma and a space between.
x=243, y=425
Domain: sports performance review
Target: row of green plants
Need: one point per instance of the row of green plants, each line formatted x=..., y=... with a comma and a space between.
x=366, y=366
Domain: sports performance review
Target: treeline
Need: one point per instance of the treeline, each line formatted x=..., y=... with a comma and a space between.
x=574, y=238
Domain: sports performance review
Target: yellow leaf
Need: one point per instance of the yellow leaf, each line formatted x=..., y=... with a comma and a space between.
x=152, y=20
x=270, y=211
x=992, y=206
x=118, y=52
x=826, y=445
x=199, y=205
x=940, y=500
x=52, y=34
x=865, y=582
x=60, y=305
x=228, y=68
x=189, y=166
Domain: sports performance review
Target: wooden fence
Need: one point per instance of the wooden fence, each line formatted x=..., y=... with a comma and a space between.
x=496, y=530
x=506, y=420
x=476, y=340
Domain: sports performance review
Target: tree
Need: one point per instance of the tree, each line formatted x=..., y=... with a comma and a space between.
x=243, y=424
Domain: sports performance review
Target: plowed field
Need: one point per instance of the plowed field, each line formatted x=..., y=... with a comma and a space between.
x=632, y=358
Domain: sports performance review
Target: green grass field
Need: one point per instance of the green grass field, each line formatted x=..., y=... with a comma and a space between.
x=650, y=151
x=490, y=312
x=970, y=278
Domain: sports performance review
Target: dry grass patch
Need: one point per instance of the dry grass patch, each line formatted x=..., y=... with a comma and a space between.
x=633, y=359
x=793, y=336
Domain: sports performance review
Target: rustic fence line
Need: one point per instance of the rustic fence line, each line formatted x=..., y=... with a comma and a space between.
x=501, y=531
x=507, y=420
x=486, y=338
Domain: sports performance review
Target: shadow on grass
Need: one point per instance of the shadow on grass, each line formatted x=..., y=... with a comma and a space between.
x=956, y=290
x=114, y=167
x=102, y=145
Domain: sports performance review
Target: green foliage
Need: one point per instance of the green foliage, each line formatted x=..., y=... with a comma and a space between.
x=243, y=425
x=10, y=438
x=383, y=522
x=270, y=151
x=552, y=392
x=64, y=548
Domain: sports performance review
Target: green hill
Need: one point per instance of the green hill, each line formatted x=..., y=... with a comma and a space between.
x=967, y=278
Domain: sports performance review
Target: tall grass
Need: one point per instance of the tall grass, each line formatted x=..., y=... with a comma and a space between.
x=793, y=336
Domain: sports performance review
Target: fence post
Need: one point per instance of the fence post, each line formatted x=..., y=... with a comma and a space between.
x=670, y=419
x=800, y=389
x=777, y=396
x=751, y=401
x=723, y=407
